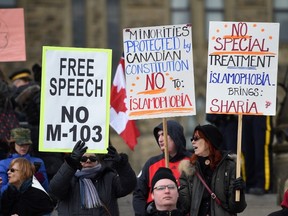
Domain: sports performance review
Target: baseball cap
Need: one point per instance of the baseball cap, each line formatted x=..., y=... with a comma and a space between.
x=21, y=136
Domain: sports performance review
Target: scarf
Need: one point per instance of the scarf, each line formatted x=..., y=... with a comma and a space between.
x=88, y=192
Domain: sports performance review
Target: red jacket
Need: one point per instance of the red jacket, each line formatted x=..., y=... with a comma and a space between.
x=142, y=193
x=284, y=203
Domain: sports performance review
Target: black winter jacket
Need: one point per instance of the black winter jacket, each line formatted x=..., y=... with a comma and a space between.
x=192, y=189
x=28, y=201
x=152, y=211
x=110, y=185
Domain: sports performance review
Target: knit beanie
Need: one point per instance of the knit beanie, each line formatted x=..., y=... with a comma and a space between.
x=212, y=133
x=162, y=173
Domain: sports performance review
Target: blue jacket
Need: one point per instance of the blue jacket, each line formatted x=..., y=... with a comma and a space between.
x=41, y=174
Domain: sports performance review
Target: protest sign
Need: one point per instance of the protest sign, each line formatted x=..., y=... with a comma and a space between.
x=12, y=35
x=159, y=71
x=75, y=98
x=242, y=68
x=242, y=72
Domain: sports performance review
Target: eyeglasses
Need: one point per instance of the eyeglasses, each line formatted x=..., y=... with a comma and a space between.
x=163, y=187
x=91, y=158
x=195, y=138
x=12, y=170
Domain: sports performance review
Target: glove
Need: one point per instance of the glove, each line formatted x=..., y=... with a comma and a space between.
x=37, y=71
x=78, y=151
x=239, y=184
x=112, y=155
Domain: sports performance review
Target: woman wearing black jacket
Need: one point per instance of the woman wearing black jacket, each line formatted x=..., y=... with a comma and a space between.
x=24, y=195
x=84, y=186
x=217, y=169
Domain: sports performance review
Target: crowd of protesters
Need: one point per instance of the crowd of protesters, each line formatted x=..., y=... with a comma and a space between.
x=33, y=182
x=201, y=182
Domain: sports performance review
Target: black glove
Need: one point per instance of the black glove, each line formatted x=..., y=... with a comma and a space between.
x=37, y=71
x=239, y=184
x=112, y=155
x=78, y=151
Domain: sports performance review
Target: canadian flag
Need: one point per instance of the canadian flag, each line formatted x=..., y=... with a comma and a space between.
x=119, y=121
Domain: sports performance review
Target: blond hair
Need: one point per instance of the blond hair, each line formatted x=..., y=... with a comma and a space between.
x=26, y=168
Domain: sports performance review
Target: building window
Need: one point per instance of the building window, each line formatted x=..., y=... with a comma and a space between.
x=180, y=12
x=79, y=25
x=114, y=31
x=214, y=11
x=7, y=3
x=281, y=16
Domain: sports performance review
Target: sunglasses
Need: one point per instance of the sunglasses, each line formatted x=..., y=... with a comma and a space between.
x=163, y=187
x=91, y=158
x=12, y=170
x=195, y=138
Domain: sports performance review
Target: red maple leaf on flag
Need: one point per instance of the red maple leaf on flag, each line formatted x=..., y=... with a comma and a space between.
x=119, y=119
x=118, y=98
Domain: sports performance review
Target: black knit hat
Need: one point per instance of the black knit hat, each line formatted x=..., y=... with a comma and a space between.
x=212, y=134
x=162, y=173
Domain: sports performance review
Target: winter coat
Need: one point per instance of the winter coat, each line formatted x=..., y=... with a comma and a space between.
x=192, y=189
x=152, y=211
x=26, y=99
x=27, y=201
x=8, y=119
x=110, y=185
x=142, y=193
x=41, y=174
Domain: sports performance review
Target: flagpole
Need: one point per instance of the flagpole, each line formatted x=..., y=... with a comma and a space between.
x=165, y=134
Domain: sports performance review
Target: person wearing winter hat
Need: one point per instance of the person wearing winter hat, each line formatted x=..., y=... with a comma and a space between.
x=176, y=144
x=208, y=181
x=20, y=147
x=164, y=194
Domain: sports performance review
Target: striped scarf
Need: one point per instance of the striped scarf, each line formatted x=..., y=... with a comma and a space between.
x=89, y=195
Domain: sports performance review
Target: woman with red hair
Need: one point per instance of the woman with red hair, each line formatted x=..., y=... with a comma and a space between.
x=207, y=182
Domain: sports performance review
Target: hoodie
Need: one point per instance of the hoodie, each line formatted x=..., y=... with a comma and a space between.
x=142, y=193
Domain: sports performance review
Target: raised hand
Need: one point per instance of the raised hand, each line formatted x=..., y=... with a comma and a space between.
x=78, y=150
x=112, y=155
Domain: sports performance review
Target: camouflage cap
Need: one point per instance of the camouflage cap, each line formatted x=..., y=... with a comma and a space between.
x=21, y=136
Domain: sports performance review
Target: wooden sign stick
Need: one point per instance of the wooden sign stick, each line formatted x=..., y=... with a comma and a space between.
x=238, y=162
x=165, y=133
